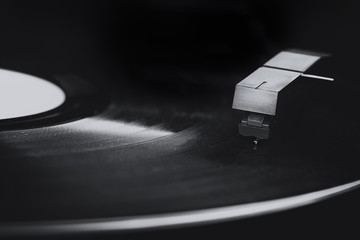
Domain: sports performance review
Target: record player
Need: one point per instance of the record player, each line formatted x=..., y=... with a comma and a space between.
x=117, y=120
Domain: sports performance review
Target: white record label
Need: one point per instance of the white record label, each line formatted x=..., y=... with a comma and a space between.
x=24, y=95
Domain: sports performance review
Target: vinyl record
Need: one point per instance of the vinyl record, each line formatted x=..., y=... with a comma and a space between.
x=136, y=163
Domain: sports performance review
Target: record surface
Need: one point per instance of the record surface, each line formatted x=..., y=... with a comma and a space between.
x=162, y=162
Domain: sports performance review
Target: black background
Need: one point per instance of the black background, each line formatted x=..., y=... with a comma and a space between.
x=183, y=43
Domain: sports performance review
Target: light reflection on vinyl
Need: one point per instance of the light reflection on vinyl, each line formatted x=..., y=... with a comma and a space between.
x=82, y=135
x=177, y=219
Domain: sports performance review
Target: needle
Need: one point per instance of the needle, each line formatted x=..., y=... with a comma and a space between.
x=256, y=141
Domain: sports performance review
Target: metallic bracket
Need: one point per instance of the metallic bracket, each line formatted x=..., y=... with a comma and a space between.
x=254, y=124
